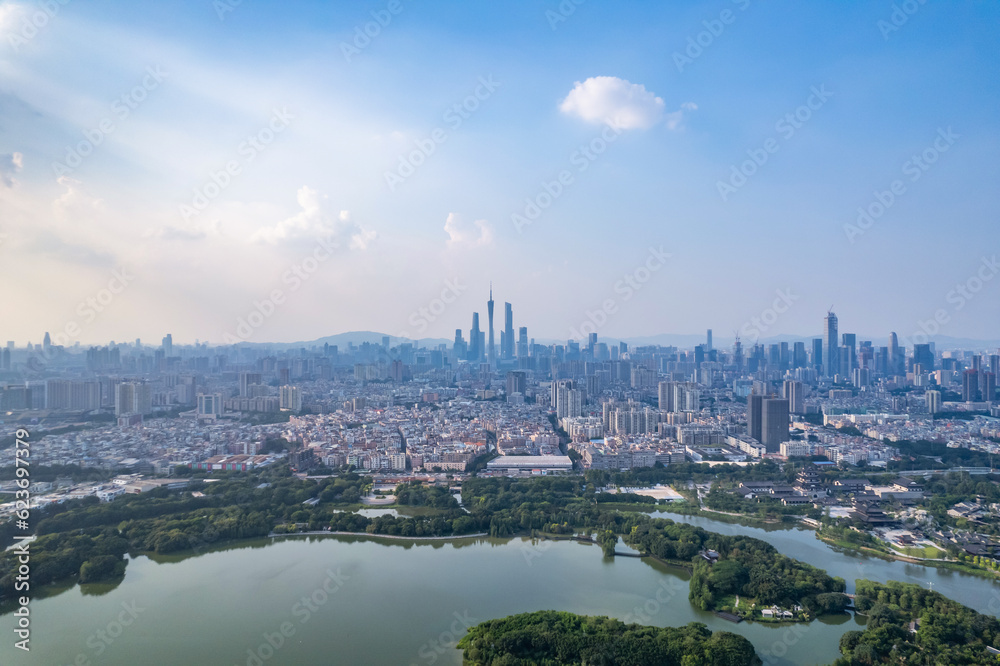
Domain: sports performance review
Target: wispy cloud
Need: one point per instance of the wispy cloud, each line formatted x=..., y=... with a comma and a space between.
x=316, y=219
x=10, y=164
x=460, y=235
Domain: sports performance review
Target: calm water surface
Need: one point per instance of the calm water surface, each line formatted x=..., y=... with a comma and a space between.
x=375, y=601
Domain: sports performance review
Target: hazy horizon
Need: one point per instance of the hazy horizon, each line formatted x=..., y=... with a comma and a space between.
x=716, y=154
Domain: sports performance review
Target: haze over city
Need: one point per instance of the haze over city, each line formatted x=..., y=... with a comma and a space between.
x=321, y=120
x=536, y=332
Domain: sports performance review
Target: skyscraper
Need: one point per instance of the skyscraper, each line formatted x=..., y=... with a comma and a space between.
x=799, y=355
x=970, y=386
x=923, y=355
x=708, y=344
x=491, y=349
x=817, y=357
x=168, y=344
x=507, y=352
x=987, y=386
x=832, y=350
x=475, y=338
x=522, y=342
x=894, y=355
x=459, y=348
x=755, y=404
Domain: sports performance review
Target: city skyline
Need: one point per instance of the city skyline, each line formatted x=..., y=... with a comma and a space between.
x=481, y=343
x=127, y=168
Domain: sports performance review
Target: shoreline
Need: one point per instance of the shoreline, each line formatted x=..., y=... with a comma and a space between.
x=951, y=565
x=274, y=535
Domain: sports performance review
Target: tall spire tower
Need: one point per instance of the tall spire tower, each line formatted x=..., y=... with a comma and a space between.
x=491, y=349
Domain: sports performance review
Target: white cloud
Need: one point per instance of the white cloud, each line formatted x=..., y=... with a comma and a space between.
x=459, y=235
x=619, y=103
x=10, y=164
x=675, y=120
x=316, y=220
x=75, y=201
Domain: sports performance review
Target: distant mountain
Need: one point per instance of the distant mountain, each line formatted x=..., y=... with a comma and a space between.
x=342, y=340
x=680, y=340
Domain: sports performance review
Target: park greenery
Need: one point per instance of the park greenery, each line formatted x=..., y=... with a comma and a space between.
x=88, y=540
x=552, y=638
x=909, y=624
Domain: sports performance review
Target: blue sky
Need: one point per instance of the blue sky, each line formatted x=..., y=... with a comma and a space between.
x=347, y=120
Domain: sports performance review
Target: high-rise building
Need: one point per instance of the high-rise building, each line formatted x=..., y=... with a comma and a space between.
x=774, y=423
x=248, y=379
x=566, y=399
x=970, y=386
x=895, y=360
x=65, y=394
x=845, y=358
x=517, y=382
x=799, y=359
x=665, y=395
x=832, y=348
x=708, y=344
x=687, y=398
x=522, y=342
x=507, y=351
x=133, y=398
x=475, y=340
x=794, y=393
x=988, y=386
x=491, y=350
x=933, y=399
x=817, y=355
x=168, y=345
x=923, y=355
x=755, y=405
x=460, y=348
x=290, y=397
x=850, y=340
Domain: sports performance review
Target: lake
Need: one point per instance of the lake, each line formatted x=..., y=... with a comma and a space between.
x=358, y=600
